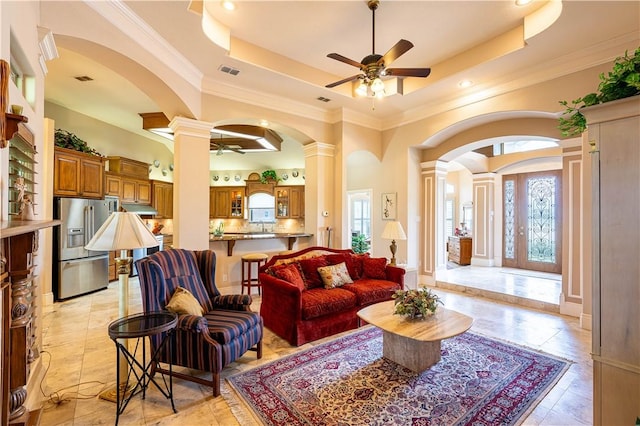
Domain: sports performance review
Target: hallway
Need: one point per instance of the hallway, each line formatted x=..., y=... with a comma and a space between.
x=539, y=290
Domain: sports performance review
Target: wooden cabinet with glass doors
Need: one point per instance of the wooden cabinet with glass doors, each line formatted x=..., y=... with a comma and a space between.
x=289, y=202
x=226, y=202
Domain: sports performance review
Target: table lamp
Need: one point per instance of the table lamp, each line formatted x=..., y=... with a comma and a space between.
x=393, y=231
x=122, y=231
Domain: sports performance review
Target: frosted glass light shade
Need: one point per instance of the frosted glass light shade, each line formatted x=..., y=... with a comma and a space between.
x=122, y=231
x=393, y=231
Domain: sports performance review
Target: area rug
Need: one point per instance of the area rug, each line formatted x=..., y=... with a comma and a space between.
x=479, y=381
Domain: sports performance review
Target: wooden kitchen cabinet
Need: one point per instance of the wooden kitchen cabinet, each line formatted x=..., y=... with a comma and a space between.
x=289, y=202
x=135, y=191
x=460, y=250
x=226, y=202
x=77, y=174
x=113, y=185
x=162, y=199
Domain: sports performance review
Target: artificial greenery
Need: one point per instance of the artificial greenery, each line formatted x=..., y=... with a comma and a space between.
x=622, y=82
x=268, y=175
x=415, y=303
x=359, y=243
x=65, y=139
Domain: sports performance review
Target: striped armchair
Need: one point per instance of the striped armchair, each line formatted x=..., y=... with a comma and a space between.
x=228, y=328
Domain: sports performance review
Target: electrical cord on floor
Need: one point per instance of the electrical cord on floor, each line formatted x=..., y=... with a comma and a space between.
x=59, y=397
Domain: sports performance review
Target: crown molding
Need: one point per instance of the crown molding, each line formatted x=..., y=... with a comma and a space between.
x=577, y=61
x=123, y=18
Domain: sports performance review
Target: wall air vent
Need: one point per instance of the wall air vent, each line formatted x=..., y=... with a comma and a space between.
x=83, y=78
x=229, y=70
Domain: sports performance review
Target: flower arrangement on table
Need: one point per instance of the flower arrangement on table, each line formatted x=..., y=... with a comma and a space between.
x=416, y=303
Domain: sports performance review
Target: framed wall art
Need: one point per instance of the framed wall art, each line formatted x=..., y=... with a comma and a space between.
x=389, y=206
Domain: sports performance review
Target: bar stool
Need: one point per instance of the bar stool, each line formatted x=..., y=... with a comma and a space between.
x=247, y=279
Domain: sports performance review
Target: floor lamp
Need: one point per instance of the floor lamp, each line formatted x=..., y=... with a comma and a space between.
x=122, y=231
x=393, y=231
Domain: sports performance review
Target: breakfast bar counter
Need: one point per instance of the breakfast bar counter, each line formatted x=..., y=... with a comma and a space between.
x=232, y=237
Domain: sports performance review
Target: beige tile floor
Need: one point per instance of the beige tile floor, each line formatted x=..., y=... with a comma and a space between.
x=81, y=360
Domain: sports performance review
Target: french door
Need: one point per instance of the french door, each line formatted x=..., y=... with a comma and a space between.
x=532, y=221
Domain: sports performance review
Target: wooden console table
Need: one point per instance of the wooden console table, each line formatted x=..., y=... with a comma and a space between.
x=460, y=250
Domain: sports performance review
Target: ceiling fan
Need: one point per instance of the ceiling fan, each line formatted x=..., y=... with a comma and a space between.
x=374, y=66
x=220, y=147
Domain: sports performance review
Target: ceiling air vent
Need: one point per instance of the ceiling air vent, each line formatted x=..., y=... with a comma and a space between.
x=83, y=78
x=323, y=99
x=229, y=70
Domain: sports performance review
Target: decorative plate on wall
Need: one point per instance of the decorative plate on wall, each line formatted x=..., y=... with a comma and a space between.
x=215, y=178
x=237, y=178
x=226, y=178
x=285, y=176
x=294, y=173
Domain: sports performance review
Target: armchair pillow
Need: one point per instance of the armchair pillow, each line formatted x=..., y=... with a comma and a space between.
x=335, y=275
x=183, y=302
x=374, y=267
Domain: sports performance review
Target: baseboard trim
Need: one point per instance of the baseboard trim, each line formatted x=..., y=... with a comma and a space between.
x=475, y=261
x=586, y=321
x=48, y=299
x=570, y=308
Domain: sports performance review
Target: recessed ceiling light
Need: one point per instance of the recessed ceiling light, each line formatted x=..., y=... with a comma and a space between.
x=465, y=83
x=229, y=5
x=264, y=123
x=523, y=2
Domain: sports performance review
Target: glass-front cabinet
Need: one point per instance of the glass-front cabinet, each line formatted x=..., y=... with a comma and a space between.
x=282, y=203
x=21, y=172
x=237, y=196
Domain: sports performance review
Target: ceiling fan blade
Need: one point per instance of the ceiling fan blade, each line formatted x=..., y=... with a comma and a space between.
x=395, y=52
x=408, y=72
x=344, y=80
x=344, y=59
x=237, y=150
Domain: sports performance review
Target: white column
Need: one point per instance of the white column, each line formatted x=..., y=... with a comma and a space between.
x=191, y=183
x=434, y=180
x=319, y=211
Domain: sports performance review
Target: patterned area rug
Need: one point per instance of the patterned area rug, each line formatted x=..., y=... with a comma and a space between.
x=479, y=381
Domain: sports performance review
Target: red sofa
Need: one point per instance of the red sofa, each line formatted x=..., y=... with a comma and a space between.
x=301, y=312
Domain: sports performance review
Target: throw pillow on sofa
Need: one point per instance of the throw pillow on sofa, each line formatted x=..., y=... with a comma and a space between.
x=291, y=274
x=335, y=275
x=374, y=267
x=183, y=302
x=310, y=271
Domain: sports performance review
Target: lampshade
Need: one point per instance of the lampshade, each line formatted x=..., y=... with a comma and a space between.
x=122, y=231
x=393, y=231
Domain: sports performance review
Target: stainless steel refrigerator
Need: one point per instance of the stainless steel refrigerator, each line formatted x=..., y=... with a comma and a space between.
x=77, y=270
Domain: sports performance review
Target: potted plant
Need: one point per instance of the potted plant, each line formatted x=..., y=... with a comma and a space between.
x=415, y=303
x=268, y=175
x=359, y=243
x=65, y=139
x=622, y=82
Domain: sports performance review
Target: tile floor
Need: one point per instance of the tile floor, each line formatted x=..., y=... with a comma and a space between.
x=81, y=360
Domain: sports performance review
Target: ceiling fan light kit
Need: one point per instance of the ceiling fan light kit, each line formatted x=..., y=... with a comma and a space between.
x=373, y=67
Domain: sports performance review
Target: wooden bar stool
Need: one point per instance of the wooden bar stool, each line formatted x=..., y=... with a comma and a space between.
x=247, y=280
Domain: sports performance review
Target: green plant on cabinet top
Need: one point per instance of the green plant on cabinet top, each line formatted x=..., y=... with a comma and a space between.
x=65, y=139
x=622, y=82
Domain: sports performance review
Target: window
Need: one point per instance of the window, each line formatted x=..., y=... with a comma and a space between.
x=360, y=219
x=449, y=217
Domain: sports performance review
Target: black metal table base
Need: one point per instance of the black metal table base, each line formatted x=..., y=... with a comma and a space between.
x=144, y=375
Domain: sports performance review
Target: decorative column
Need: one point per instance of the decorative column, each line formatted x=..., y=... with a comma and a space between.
x=191, y=183
x=572, y=234
x=482, y=250
x=434, y=180
x=320, y=212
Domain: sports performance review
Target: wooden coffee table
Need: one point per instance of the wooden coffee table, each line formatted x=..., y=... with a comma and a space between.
x=414, y=343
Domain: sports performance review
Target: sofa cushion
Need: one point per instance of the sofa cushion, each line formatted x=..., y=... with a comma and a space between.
x=310, y=271
x=291, y=273
x=369, y=291
x=374, y=267
x=335, y=275
x=355, y=265
x=319, y=301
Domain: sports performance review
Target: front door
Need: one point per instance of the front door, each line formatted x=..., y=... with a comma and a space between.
x=532, y=221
